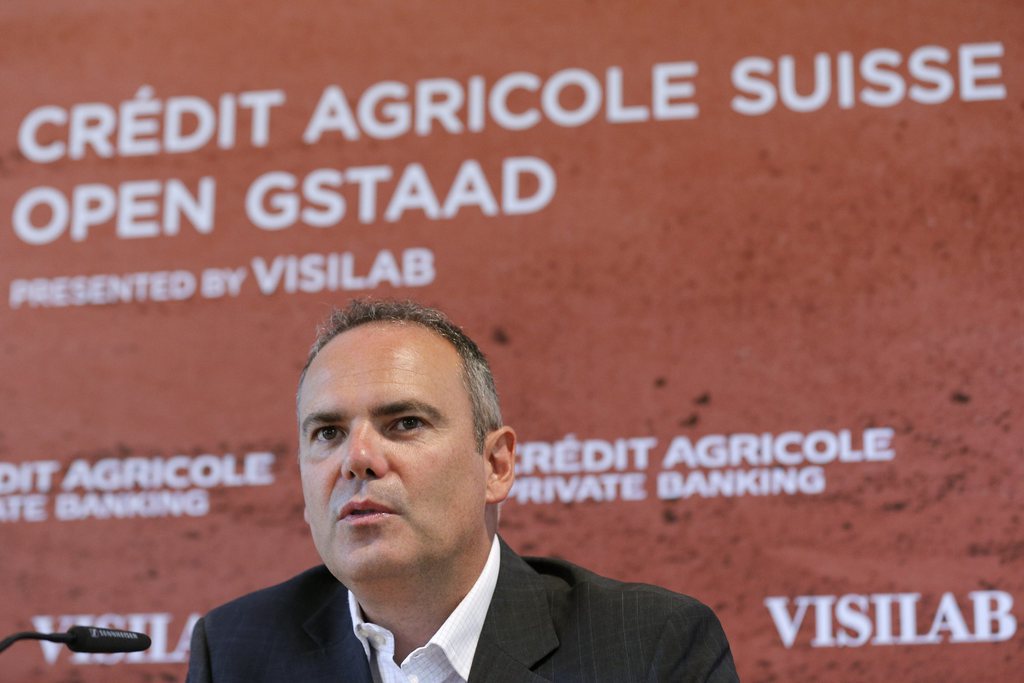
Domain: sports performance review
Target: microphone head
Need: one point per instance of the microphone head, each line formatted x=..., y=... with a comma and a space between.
x=93, y=639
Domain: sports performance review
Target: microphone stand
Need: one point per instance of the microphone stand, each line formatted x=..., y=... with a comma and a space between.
x=88, y=639
x=32, y=635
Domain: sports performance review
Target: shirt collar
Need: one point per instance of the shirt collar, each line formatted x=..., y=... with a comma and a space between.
x=459, y=634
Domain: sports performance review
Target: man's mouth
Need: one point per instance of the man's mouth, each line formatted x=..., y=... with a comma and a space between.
x=363, y=509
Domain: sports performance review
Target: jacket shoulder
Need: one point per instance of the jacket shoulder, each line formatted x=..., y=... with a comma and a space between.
x=297, y=630
x=561, y=578
x=619, y=631
x=287, y=602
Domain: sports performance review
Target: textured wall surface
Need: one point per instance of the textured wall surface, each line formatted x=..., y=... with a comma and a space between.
x=836, y=268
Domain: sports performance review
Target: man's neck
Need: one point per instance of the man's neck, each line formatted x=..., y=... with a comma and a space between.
x=413, y=608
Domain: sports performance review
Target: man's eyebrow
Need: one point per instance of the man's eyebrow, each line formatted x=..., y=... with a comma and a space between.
x=385, y=410
x=410, y=406
x=324, y=417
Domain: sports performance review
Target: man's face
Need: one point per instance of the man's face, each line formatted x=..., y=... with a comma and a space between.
x=393, y=482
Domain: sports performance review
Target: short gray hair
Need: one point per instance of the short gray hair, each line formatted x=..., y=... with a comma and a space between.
x=476, y=372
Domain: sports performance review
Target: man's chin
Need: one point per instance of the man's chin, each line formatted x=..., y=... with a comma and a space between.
x=365, y=565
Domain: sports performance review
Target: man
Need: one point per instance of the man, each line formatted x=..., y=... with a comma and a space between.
x=404, y=461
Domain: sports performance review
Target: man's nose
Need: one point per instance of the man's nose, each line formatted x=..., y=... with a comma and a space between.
x=366, y=456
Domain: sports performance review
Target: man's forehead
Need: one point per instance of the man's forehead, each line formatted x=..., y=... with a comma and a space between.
x=379, y=353
x=407, y=338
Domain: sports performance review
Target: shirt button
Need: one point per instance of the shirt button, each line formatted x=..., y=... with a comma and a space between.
x=414, y=679
x=376, y=640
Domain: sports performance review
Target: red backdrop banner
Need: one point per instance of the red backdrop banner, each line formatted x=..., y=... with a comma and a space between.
x=749, y=276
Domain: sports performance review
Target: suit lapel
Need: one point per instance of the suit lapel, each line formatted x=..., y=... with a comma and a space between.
x=337, y=655
x=518, y=631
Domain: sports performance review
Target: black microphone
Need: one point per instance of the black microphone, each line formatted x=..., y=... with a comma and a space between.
x=92, y=639
x=88, y=639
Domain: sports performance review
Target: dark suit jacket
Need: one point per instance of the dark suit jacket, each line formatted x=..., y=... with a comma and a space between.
x=548, y=621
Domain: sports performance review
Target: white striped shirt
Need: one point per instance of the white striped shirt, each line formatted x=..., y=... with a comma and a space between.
x=448, y=655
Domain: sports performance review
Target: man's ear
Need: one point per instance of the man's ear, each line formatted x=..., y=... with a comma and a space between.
x=500, y=461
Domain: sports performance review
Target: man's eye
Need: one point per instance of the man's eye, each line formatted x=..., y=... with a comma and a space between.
x=327, y=434
x=408, y=423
